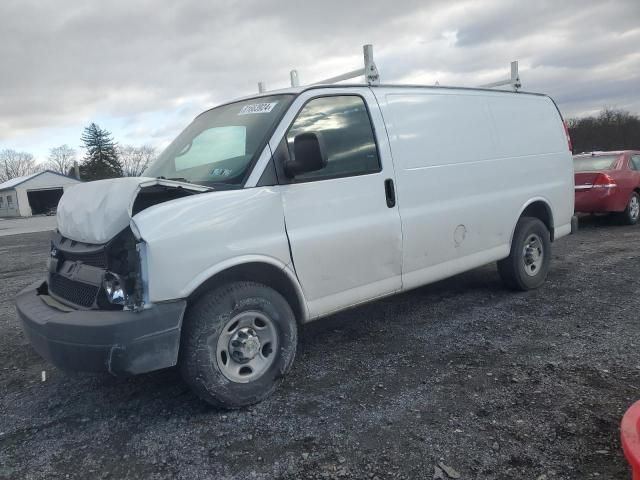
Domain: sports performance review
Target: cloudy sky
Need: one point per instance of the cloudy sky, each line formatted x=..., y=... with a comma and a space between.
x=144, y=68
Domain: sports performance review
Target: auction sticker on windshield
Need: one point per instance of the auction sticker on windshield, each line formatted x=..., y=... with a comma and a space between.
x=257, y=108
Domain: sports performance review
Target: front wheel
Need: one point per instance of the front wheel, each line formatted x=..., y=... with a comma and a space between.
x=527, y=265
x=238, y=341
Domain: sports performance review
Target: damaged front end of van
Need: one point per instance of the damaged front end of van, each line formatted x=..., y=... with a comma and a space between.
x=129, y=252
x=91, y=312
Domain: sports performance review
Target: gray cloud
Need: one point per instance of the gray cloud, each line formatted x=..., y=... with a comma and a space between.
x=154, y=64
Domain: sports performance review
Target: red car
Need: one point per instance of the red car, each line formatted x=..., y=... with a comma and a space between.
x=608, y=182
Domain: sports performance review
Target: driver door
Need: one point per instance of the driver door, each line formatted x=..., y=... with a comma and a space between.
x=342, y=221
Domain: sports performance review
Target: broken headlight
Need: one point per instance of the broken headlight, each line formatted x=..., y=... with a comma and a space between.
x=121, y=282
x=114, y=289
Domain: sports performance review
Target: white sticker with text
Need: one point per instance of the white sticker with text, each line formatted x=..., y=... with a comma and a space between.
x=257, y=108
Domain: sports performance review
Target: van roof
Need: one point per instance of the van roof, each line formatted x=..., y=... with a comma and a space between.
x=304, y=88
x=301, y=89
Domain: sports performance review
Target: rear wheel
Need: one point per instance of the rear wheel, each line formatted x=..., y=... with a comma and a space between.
x=632, y=213
x=527, y=265
x=239, y=340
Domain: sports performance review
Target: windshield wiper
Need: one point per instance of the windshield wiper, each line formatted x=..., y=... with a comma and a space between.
x=175, y=179
x=184, y=180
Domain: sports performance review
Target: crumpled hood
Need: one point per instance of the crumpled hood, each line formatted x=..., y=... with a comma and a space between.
x=94, y=212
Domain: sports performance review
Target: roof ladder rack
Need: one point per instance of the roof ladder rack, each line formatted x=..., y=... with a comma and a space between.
x=372, y=76
x=369, y=71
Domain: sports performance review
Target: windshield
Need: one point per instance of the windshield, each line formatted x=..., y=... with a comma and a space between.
x=590, y=163
x=220, y=145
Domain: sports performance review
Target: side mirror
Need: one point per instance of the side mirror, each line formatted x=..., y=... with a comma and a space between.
x=309, y=155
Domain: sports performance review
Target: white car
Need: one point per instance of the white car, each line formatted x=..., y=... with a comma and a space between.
x=275, y=210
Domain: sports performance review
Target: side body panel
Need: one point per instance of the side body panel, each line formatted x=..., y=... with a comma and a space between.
x=467, y=164
x=189, y=240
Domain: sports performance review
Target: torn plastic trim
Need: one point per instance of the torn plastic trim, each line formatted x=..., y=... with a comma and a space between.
x=169, y=190
x=150, y=182
x=135, y=230
x=143, y=283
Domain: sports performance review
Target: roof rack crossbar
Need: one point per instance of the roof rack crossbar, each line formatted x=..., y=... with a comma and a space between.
x=372, y=76
x=369, y=71
x=338, y=78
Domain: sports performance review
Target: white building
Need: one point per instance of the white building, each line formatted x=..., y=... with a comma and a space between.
x=33, y=194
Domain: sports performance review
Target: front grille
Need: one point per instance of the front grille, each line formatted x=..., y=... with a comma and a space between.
x=77, y=293
x=87, y=253
x=95, y=259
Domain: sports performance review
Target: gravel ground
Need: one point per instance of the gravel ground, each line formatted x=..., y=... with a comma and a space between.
x=490, y=383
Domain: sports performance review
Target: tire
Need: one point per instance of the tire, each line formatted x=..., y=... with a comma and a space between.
x=631, y=214
x=219, y=343
x=527, y=265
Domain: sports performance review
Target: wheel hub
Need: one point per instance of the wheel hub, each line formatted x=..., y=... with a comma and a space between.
x=244, y=345
x=635, y=207
x=532, y=255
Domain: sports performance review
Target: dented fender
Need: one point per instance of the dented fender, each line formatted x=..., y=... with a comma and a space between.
x=188, y=241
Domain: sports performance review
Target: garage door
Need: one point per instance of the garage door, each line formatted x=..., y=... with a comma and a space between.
x=44, y=201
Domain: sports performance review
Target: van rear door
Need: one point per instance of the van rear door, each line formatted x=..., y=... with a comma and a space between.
x=342, y=221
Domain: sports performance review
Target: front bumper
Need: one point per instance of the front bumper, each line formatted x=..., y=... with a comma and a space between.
x=119, y=342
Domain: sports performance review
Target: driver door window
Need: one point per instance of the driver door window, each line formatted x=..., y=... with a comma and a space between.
x=344, y=124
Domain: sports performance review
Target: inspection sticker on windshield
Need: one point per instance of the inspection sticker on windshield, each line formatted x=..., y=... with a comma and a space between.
x=257, y=108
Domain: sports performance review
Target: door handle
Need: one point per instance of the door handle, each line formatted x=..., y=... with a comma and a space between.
x=390, y=193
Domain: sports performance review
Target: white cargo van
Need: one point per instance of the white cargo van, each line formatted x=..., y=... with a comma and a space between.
x=275, y=210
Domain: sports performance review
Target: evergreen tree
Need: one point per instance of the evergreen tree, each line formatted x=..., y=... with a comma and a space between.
x=101, y=158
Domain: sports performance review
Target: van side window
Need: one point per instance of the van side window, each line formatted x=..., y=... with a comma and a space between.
x=348, y=136
x=635, y=162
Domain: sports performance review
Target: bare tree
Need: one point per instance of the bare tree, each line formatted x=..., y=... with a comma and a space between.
x=16, y=164
x=61, y=159
x=611, y=130
x=134, y=159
